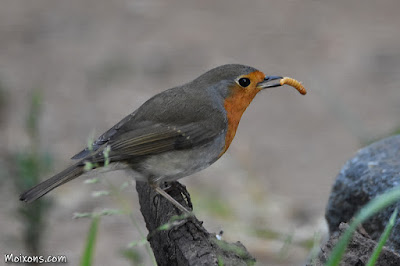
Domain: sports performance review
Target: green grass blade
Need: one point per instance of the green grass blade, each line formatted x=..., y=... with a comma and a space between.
x=374, y=206
x=383, y=239
x=87, y=257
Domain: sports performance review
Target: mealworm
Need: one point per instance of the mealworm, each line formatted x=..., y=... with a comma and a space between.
x=294, y=83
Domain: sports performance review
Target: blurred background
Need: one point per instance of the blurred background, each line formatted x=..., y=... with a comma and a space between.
x=70, y=70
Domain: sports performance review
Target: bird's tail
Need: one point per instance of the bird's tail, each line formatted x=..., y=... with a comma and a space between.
x=46, y=186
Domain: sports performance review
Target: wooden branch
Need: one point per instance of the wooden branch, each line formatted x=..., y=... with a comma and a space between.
x=184, y=241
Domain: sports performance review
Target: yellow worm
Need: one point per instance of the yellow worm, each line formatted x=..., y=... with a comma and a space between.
x=294, y=83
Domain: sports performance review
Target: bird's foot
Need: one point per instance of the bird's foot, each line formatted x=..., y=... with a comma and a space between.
x=172, y=200
x=168, y=186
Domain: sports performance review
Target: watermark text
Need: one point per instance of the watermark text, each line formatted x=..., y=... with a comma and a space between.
x=13, y=258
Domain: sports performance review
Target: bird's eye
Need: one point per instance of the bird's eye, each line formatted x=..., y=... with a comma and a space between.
x=244, y=82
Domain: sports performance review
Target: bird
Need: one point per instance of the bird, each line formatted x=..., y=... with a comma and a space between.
x=175, y=133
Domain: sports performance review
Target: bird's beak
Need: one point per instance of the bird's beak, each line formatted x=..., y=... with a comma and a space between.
x=270, y=82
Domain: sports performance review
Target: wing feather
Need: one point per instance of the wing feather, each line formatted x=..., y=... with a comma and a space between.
x=154, y=139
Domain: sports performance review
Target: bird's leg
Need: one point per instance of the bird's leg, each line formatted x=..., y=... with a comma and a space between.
x=160, y=191
x=182, y=190
x=185, y=193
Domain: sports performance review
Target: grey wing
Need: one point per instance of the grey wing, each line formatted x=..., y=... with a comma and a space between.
x=154, y=129
x=104, y=138
x=156, y=138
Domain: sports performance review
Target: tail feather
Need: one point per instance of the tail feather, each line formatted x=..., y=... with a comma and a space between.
x=46, y=186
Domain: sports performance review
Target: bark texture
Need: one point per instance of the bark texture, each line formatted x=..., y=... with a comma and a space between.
x=177, y=241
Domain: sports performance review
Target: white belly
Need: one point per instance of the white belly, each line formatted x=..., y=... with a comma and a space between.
x=173, y=165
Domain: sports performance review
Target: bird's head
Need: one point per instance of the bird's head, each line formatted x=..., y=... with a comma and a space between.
x=234, y=80
x=238, y=85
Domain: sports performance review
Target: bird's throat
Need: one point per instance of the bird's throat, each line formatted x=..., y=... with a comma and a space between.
x=235, y=105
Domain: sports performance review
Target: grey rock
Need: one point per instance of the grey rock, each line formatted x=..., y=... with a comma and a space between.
x=374, y=170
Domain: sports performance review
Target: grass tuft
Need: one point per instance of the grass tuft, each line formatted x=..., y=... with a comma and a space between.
x=88, y=254
x=383, y=239
x=374, y=206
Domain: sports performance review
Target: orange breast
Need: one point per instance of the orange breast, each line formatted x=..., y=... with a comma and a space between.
x=235, y=105
x=237, y=102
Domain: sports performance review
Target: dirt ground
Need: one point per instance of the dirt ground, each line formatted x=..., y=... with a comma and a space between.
x=96, y=61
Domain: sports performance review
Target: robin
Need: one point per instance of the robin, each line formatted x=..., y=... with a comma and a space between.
x=175, y=133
